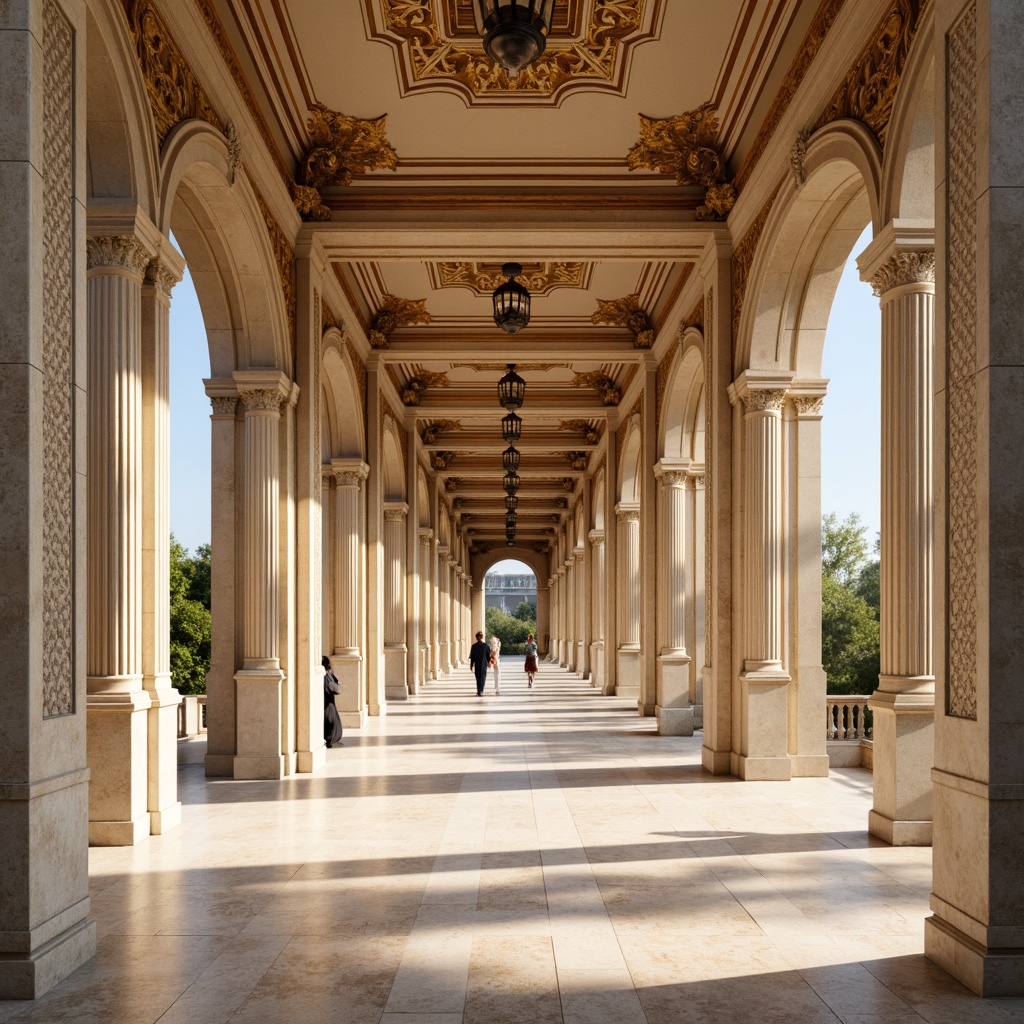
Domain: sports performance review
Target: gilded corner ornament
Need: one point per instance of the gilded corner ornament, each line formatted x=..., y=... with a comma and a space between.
x=419, y=382
x=394, y=313
x=626, y=312
x=433, y=431
x=686, y=146
x=601, y=383
x=589, y=433
x=339, y=147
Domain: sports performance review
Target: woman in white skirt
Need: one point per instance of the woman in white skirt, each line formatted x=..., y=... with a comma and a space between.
x=496, y=664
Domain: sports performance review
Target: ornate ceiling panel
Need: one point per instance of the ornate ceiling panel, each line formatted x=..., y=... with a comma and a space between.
x=483, y=278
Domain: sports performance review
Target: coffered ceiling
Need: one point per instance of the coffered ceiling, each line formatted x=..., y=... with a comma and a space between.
x=490, y=171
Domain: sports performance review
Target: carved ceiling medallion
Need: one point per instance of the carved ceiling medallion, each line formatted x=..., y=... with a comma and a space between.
x=483, y=278
x=435, y=49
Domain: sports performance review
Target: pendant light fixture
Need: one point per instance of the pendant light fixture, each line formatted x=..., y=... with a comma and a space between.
x=511, y=389
x=511, y=301
x=511, y=427
x=514, y=31
x=511, y=482
x=510, y=458
x=511, y=502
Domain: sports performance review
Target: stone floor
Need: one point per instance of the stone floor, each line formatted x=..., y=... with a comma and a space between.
x=540, y=856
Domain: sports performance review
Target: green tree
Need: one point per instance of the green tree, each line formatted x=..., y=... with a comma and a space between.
x=525, y=611
x=849, y=607
x=512, y=632
x=190, y=617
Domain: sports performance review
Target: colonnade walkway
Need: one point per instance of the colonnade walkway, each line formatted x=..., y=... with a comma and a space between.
x=540, y=856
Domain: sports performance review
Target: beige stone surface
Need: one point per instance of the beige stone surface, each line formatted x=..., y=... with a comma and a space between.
x=539, y=856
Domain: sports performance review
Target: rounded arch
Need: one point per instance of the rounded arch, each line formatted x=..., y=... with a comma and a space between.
x=579, y=528
x=537, y=562
x=806, y=242
x=422, y=499
x=121, y=143
x=344, y=432
x=630, y=470
x=392, y=464
x=217, y=222
x=597, y=501
x=681, y=430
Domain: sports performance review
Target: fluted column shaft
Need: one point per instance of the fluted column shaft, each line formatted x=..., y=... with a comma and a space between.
x=444, y=608
x=570, y=612
x=629, y=569
x=348, y=541
x=672, y=546
x=394, y=574
x=116, y=267
x=597, y=541
x=426, y=560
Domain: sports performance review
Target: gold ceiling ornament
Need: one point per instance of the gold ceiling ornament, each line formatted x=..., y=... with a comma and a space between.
x=452, y=484
x=419, y=382
x=578, y=460
x=339, y=146
x=433, y=431
x=394, y=313
x=568, y=483
x=686, y=146
x=869, y=90
x=589, y=433
x=174, y=93
x=597, y=60
x=483, y=278
x=626, y=312
x=442, y=460
x=601, y=383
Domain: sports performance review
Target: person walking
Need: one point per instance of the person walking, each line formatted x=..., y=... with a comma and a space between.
x=479, y=659
x=496, y=664
x=530, y=649
x=332, y=723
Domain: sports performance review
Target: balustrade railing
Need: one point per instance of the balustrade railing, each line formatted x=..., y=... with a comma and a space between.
x=847, y=718
x=192, y=716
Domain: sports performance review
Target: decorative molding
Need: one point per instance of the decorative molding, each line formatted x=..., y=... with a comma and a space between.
x=904, y=268
x=628, y=515
x=661, y=379
x=441, y=460
x=413, y=390
x=161, y=277
x=587, y=431
x=626, y=312
x=687, y=146
x=742, y=258
x=483, y=278
x=262, y=399
x=234, y=141
x=284, y=257
x=695, y=318
x=597, y=59
x=763, y=399
x=339, y=147
x=797, y=155
x=360, y=370
x=174, y=92
x=116, y=252
x=821, y=24
x=963, y=513
x=432, y=431
x=395, y=514
x=578, y=460
x=57, y=666
x=394, y=313
x=601, y=383
x=809, y=405
x=869, y=90
x=568, y=484
x=224, y=405
x=673, y=478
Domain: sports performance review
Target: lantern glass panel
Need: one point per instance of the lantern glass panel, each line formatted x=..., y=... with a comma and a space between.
x=510, y=458
x=511, y=301
x=511, y=427
x=511, y=389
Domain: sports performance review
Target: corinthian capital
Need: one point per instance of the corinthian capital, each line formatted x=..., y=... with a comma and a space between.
x=758, y=400
x=262, y=399
x=904, y=268
x=116, y=252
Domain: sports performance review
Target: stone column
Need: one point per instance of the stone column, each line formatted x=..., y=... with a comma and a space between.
x=628, y=684
x=443, y=611
x=426, y=564
x=118, y=727
x=597, y=546
x=764, y=686
x=696, y=619
x=44, y=781
x=579, y=558
x=977, y=928
x=258, y=683
x=673, y=708
x=349, y=589
x=570, y=613
x=454, y=620
x=164, y=809
x=903, y=706
x=395, y=648
x=434, y=611
x=464, y=616
x=808, y=756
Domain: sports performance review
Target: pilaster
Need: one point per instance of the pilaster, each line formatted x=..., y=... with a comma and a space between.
x=395, y=648
x=597, y=649
x=628, y=518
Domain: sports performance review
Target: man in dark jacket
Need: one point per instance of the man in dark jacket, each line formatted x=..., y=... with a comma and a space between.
x=479, y=656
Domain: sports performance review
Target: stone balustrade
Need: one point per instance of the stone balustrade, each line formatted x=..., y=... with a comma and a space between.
x=192, y=716
x=848, y=731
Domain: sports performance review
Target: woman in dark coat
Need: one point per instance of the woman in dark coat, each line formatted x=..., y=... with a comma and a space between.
x=332, y=723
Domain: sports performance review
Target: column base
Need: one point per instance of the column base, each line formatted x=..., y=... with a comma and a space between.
x=309, y=761
x=809, y=766
x=378, y=710
x=219, y=766
x=120, y=833
x=674, y=721
x=164, y=808
x=761, y=769
x=31, y=975
x=262, y=766
x=899, y=833
x=164, y=820
x=353, y=719
x=628, y=681
x=985, y=972
x=717, y=762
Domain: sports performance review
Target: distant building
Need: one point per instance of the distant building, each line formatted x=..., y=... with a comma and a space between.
x=508, y=590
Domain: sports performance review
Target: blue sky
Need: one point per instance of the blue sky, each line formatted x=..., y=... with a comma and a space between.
x=850, y=426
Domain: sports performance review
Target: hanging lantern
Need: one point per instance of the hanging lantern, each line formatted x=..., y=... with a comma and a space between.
x=510, y=521
x=511, y=502
x=511, y=303
x=511, y=389
x=510, y=458
x=514, y=31
x=511, y=482
x=511, y=427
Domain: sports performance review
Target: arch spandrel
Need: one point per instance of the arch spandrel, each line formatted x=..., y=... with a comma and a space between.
x=681, y=426
x=630, y=468
x=808, y=237
x=343, y=408
x=598, y=500
x=392, y=464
